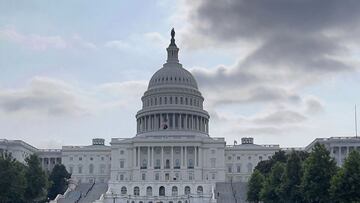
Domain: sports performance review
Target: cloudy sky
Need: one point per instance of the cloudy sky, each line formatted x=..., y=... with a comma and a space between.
x=283, y=72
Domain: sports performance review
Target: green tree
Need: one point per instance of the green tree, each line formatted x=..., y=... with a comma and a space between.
x=58, y=180
x=345, y=185
x=36, y=178
x=264, y=167
x=270, y=192
x=254, y=186
x=319, y=168
x=12, y=180
x=290, y=187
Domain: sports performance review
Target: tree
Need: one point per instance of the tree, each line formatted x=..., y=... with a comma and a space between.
x=319, y=168
x=290, y=186
x=345, y=185
x=58, y=180
x=270, y=192
x=254, y=186
x=12, y=180
x=37, y=183
x=264, y=167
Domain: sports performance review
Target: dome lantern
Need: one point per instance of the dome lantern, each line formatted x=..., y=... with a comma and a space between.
x=172, y=50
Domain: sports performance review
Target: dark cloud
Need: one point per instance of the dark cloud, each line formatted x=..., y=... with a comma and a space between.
x=234, y=19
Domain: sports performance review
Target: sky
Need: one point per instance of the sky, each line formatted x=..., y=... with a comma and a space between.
x=283, y=72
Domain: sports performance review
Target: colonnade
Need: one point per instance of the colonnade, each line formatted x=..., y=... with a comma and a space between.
x=172, y=121
x=187, y=153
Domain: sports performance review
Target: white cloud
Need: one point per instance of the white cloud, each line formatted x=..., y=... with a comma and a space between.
x=48, y=97
x=42, y=43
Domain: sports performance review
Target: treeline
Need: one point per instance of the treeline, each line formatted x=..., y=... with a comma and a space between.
x=301, y=177
x=20, y=183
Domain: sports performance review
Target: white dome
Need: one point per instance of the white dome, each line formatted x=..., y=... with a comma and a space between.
x=172, y=74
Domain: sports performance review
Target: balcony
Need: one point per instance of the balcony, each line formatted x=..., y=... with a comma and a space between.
x=190, y=167
x=143, y=167
x=157, y=167
x=176, y=167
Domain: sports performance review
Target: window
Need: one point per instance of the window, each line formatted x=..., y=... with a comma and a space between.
x=144, y=163
x=187, y=190
x=121, y=177
x=191, y=163
x=143, y=176
x=167, y=163
x=213, y=151
x=91, y=168
x=230, y=168
x=238, y=168
x=157, y=164
x=238, y=157
x=102, y=168
x=229, y=157
x=249, y=157
x=71, y=158
x=250, y=167
x=122, y=163
x=213, y=162
x=260, y=158
x=123, y=190
x=80, y=158
x=174, y=191
x=177, y=163
x=213, y=176
x=149, y=191
x=121, y=151
x=167, y=176
x=157, y=176
x=200, y=190
x=191, y=176
x=162, y=191
x=102, y=158
x=136, y=191
x=80, y=169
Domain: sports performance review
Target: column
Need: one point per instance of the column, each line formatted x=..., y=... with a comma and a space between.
x=185, y=162
x=207, y=126
x=172, y=157
x=186, y=122
x=148, y=161
x=162, y=158
x=180, y=121
x=152, y=157
x=195, y=153
x=200, y=157
x=181, y=157
x=173, y=118
x=138, y=161
x=134, y=157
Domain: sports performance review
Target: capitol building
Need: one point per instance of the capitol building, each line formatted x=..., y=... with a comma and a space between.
x=172, y=158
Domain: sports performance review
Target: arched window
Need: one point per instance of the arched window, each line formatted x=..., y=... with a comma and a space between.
x=174, y=191
x=136, y=191
x=149, y=191
x=123, y=190
x=187, y=190
x=161, y=191
x=91, y=168
x=200, y=190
